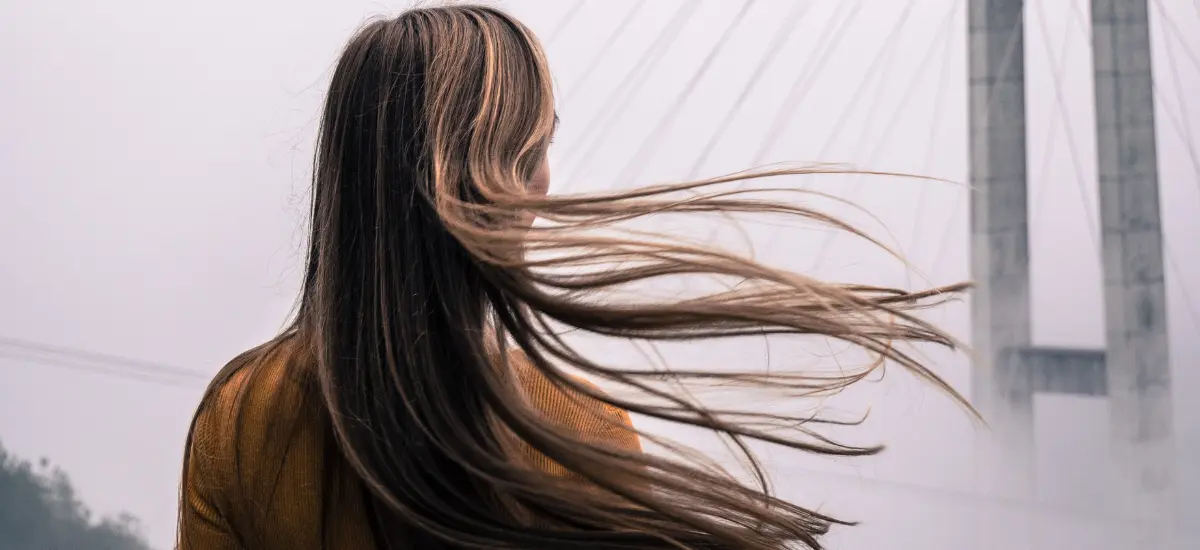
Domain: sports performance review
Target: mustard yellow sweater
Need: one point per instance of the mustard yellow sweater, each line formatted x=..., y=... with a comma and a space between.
x=291, y=497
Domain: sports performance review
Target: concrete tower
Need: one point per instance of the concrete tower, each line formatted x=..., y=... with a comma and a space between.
x=1138, y=371
x=999, y=233
x=1133, y=371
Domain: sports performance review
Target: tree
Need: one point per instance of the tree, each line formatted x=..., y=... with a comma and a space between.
x=40, y=511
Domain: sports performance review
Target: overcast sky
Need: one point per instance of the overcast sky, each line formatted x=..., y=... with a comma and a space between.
x=154, y=158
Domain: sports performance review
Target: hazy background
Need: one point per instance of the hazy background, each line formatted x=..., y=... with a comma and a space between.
x=154, y=158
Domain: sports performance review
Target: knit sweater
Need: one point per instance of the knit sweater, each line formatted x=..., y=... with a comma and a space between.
x=296, y=492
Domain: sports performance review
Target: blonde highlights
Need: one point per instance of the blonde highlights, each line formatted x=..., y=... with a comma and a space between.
x=424, y=284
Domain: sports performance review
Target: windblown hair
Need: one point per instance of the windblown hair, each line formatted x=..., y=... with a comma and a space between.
x=424, y=278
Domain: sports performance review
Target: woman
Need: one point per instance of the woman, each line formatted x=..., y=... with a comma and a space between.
x=421, y=399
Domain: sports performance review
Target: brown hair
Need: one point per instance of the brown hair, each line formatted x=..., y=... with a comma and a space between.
x=423, y=279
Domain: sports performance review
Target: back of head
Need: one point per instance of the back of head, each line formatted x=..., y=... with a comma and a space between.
x=428, y=116
x=422, y=275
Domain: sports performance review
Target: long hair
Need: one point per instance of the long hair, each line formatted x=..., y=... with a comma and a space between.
x=424, y=279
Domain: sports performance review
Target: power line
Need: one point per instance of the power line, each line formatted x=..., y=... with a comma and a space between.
x=1039, y=198
x=1072, y=144
x=635, y=165
x=603, y=122
x=1005, y=63
x=1183, y=132
x=782, y=35
x=75, y=354
x=646, y=62
x=871, y=74
x=566, y=20
x=1182, y=127
x=927, y=164
x=608, y=43
x=1173, y=27
x=944, y=36
x=804, y=79
x=883, y=54
x=102, y=371
x=104, y=364
x=1188, y=304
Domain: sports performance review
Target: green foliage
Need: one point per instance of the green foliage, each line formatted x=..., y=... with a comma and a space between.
x=40, y=511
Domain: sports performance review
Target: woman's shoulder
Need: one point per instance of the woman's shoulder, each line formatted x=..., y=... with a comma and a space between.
x=257, y=452
x=257, y=387
x=575, y=410
x=260, y=406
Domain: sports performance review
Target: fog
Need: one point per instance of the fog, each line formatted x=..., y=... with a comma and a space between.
x=154, y=159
